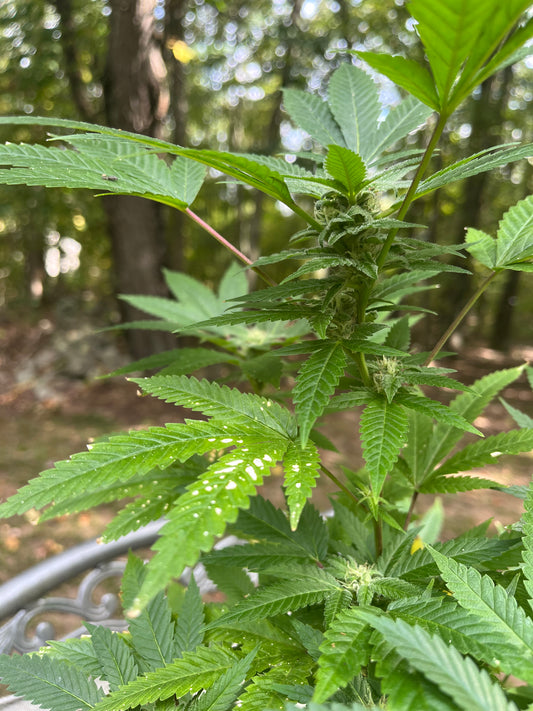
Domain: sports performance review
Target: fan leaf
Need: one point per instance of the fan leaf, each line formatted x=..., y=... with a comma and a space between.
x=383, y=431
x=51, y=683
x=470, y=687
x=316, y=382
x=301, y=467
x=344, y=651
x=311, y=113
x=354, y=101
x=200, y=515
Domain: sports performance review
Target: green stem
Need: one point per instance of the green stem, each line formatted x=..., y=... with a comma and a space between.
x=410, y=194
x=305, y=216
x=363, y=368
x=408, y=199
x=339, y=483
x=409, y=516
x=205, y=226
x=460, y=316
x=378, y=537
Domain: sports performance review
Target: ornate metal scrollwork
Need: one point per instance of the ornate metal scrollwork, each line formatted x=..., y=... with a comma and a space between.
x=14, y=634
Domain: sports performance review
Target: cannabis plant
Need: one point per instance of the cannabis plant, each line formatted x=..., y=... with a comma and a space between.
x=364, y=608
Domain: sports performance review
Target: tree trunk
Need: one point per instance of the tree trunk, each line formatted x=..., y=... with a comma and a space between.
x=175, y=11
x=136, y=100
x=271, y=141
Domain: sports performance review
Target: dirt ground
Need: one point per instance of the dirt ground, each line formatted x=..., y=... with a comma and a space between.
x=50, y=407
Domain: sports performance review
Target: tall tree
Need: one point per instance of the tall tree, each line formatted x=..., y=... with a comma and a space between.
x=136, y=99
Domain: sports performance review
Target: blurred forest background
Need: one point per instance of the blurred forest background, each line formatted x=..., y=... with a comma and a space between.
x=208, y=74
x=203, y=73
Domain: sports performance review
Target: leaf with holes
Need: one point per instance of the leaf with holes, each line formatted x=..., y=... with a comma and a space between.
x=201, y=514
x=301, y=467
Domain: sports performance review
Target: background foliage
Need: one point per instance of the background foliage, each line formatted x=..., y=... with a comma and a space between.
x=224, y=64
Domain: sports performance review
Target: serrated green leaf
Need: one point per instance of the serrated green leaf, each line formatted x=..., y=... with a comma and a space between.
x=189, y=176
x=468, y=405
x=246, y=169
x=456, y=484
x=400, y=284
x=132, y=579
x=481, y=246
x=142, y=487
x=255, y=556
x=514, y=241
x=383, y=429
x=312, y=533
x=189, y=632
x=233, y=282
x=468, y=634
x=527, y=553
x=179, y=361
x=301, y=466
x=312, y=114
x=264, y=368
x=407, y=73
x=415, y=453
x=152, y=634
x=269, y=689
x=287, y=312
x=195, y=298
x=354, y=101
x=200, y=515
x=401, y=120
x=449, y=30
x=458, y=676
x=115, y=656
x=521, y=419
x=405, y=687
x=119, y=458
x=218, y=400
x=234, y=583
x=466, y=549
x=344, y=651
x=479, y=595
x=347, y=167
x=309, y=587
x=193, y=672
x=78, y=652
x=135, y=171
x=489, y=53
x=399, y=335
x=487, y=451
x=433, y=408
x=226, y=689
x=474, y=165
x=316, y=382
x=51, y=683
x=334, y=604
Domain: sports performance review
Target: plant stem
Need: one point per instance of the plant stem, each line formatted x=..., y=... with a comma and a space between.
x=378, y=537
x=205, y=226
x=460, y=316
x=410, y=194
x=409, y=516
x=363, y=368
x=408, y=199
x=339, y=483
